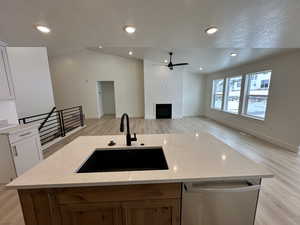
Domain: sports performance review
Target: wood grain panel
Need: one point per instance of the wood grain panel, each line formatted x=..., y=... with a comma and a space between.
x=28, y=208
x=100, y=205
x=36, y=207
x=161, y=212
x=118, y=193
x=91, y=214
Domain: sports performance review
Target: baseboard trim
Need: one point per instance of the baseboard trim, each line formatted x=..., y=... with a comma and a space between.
x=264, y=137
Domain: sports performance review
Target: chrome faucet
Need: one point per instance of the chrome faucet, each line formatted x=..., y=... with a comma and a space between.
x=129, y=139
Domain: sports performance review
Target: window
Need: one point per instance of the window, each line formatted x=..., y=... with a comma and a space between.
x=264, y=84
x=233, y=93
x=257, y=92
x=217, y=95
x=254, y=87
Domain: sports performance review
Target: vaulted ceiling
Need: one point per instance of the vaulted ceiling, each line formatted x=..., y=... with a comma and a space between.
x=161, y=25
x=209, y=59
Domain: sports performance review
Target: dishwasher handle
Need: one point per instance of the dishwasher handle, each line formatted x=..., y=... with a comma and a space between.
x=212, y=189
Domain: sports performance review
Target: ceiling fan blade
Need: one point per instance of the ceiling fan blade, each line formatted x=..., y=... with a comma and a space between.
x=180, y=64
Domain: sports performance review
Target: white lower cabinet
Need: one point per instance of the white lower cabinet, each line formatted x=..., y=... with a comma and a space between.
x=20, y=151
x=7, y=168
x=26, y=154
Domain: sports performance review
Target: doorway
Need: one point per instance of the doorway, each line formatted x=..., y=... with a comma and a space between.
x=106, y=98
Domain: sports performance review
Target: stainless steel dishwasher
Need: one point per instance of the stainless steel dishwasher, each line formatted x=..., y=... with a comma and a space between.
x=220, y=203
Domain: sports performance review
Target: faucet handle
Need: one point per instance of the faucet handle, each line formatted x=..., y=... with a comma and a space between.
x=134, y=137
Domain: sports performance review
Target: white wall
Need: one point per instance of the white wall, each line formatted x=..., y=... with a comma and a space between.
x=99, y=100
x=163, y=86
x=32, y=81
x=183, y=89
x=8, y=111
x=193, y=94
x=282, y=122
x=75, y=75
x=108, y=97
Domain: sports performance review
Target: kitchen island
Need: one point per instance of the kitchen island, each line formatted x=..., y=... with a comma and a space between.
x=54, y=193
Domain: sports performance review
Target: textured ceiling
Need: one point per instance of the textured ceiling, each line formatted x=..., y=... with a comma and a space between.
x=167, y=24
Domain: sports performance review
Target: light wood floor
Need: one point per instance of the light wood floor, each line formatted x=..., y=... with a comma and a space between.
x=279, y=202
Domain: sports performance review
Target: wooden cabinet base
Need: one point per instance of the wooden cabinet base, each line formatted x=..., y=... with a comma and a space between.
x=146, y=204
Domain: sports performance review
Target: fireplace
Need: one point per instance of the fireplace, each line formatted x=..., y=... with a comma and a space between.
x=163, y=111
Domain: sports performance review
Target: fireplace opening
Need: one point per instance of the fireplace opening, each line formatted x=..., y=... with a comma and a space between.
x=163, y=111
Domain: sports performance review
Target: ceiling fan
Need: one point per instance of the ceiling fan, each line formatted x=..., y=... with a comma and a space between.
x=171, y=65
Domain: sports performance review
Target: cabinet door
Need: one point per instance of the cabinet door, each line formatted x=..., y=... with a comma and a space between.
x=26, y=154
x=7, y=170
x=6, y=88
x=91, y=214
x=149, y=212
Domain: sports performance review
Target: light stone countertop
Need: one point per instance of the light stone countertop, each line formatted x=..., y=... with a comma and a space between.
x=190, y=157
x=15, y=128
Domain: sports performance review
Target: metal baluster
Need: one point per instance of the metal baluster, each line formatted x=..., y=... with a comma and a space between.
x=81, y=116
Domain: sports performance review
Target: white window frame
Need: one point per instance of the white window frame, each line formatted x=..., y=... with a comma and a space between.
x=212, y=102
x=246, y=96
x=226, y=91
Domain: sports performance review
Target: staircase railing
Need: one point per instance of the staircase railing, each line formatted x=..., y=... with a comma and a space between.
x=46, y=119
x=56, y=123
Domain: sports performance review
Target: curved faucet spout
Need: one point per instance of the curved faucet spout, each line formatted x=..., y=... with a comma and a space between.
x=125, y=115
x=129, y=139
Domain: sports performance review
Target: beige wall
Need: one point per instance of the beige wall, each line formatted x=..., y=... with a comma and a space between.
x=193, y=94
x=282, y=123
x=75, y=75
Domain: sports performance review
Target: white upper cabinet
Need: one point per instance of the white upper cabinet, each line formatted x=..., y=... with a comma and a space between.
x=6, y=85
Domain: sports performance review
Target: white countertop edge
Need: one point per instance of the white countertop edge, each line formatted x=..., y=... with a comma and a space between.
x=181, y=151
x=18, y=128
x=116, y=183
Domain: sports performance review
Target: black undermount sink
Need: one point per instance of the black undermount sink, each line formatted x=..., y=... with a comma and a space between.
x=125, y=159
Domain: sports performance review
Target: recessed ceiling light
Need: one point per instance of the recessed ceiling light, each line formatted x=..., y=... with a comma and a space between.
x=130, y=52
x=201, y=68
x=100, y=46
x=165, y=60
x=224, y=157
x=233, y=54
x=43, y=29
x=129, y=29
x=211, y=30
